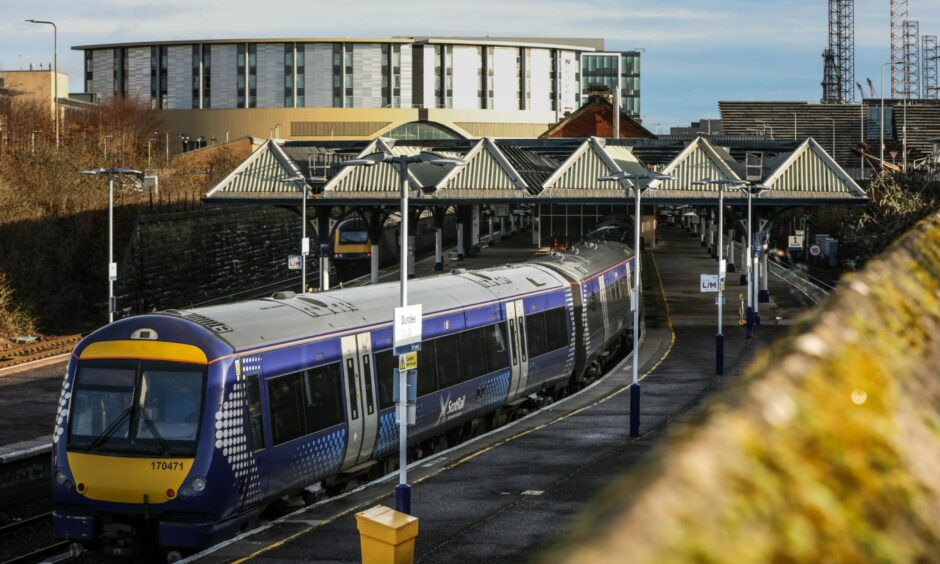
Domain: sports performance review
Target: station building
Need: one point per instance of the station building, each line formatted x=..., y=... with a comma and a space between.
x=398, y=87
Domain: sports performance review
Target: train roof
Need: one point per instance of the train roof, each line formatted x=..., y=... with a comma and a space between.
x=288, y=316
x=586, y=260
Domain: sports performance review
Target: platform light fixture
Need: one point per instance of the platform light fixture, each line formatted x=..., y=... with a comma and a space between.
x=112, y=266
x=720, y=183
x=631, y=181
x=55, y=76
x=751, y=191
x=403, y=490
x=301, y=183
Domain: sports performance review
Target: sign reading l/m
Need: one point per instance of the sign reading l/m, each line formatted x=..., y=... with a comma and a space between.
x=709, y=283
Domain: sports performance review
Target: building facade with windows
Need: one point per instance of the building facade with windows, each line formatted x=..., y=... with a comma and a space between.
x=404, y=87
x=613, y=70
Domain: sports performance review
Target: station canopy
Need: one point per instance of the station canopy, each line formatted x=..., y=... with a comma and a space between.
x=538, y=171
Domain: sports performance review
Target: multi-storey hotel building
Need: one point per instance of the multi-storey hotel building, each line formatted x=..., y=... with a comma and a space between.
x=404, y=87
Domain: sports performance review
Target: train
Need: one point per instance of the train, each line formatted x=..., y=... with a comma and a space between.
x=178, y=429
x=352, y=246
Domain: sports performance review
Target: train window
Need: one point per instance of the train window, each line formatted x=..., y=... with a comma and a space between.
x=323, y=397
x=352, y=390
x=385, y=363
x=535, y=324
x=523, y=339
x=494, y=338
x=367, y=380
x=449, y=366
x=102, y=396
x=353, y=237
x=255, y=425
x=556, y=329
x=427, y=369
x=170, y=402
x=472, y=347
x=512, y=340
x=286, y=398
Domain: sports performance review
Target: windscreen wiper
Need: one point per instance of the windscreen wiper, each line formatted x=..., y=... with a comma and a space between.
x=164, y=447
x=103, y=437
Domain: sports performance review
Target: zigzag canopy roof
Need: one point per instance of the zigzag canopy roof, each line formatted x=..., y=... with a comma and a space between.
x=526, y=170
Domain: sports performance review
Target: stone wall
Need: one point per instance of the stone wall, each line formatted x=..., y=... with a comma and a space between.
x=179, y=259
x=828, y=450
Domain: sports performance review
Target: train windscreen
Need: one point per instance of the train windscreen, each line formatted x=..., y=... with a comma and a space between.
x=347, y=237
x=130, y=406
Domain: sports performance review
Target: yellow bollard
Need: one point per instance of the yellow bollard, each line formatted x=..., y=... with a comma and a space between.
x=386, y=536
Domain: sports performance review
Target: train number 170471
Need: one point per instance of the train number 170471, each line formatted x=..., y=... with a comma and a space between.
x=166, y=465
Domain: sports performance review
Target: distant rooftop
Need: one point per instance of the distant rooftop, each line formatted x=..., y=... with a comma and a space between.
x=574, y=43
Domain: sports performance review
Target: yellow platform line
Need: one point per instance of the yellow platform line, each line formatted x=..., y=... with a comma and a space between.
x=615, y=393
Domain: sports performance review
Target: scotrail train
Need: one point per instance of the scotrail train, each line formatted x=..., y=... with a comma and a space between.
x=177, y=429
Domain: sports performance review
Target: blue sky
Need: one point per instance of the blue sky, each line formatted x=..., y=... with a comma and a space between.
x=697, y=52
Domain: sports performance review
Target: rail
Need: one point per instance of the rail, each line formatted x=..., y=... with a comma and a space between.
x=813, y=288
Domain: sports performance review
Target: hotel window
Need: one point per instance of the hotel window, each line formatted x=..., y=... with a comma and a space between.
x=158, y=74
x=89, y=71
x=120, y=72
x=288, y=75
x=438, y=73
x=252, y=75
x=196, y=82
x=241, y=80
x=299, y=67
x=247, y=82
x=396, y=76
x=449, y=76
x=348, y=76
x=206, y=76
x=337, y=75
x=490, y=62
x=386, y=75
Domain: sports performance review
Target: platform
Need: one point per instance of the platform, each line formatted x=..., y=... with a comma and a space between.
x=504, y=496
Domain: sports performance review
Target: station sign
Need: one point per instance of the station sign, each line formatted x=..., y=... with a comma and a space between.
x=708, y=283
x=795, y=242
x=294, y=262
x=406, y=329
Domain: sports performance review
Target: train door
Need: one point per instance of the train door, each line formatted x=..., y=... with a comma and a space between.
x=602, y=297
x=252, y=478
x=515, y=315
x=361, y=398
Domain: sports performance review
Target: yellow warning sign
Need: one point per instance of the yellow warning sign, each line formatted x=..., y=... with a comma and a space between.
x=408, y=361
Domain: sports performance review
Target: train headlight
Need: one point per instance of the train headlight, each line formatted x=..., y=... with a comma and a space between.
x=198, y=484
x=60, y=477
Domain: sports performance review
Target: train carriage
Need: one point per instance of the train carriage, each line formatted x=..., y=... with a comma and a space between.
x=178, y=428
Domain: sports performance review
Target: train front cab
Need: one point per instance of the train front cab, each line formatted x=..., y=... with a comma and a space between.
x=133, y=463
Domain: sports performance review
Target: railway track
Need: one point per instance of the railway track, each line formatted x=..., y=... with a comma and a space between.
x=56, y=551
x=37, y=350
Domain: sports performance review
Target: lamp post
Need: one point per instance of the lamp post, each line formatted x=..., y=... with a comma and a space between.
x=304, y=240
x=55, y=72
x=721, y=183
x=751, y=190
x=112, y=266
x=629, y=180
x=881, y=164
x=403, y=490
